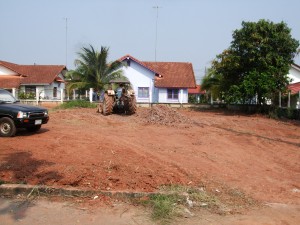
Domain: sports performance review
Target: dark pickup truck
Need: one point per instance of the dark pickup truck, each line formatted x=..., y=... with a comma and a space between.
x=15, y=115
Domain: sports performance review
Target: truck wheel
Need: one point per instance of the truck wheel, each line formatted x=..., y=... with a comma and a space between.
x=7, y=127
x=107, y=107
x=132, y=105
x=34, y=128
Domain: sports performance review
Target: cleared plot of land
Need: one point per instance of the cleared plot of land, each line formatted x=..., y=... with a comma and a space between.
x=155, y=147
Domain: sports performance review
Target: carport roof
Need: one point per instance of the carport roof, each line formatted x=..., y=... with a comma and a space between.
x=294, y=88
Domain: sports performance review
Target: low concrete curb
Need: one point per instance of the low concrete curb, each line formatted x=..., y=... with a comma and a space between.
x=15, y=189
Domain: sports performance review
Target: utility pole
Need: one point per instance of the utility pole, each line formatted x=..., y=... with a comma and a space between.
x=156, y=7
x=66, y=19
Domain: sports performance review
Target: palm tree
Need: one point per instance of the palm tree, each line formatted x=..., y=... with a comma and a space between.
x=211, y=83
x=92, y=70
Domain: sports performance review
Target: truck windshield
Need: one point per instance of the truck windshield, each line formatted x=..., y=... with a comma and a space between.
x=6, y=97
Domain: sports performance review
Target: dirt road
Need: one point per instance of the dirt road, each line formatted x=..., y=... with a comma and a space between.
x=81, y=148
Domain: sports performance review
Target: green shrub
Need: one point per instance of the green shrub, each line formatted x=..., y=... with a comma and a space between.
x=286, y=113
x=77, y=104
x=23, y=95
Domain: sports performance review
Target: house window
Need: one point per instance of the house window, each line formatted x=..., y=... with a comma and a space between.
x=143, y=92
x=55, y=92
x=173, y=94
x=30, y=90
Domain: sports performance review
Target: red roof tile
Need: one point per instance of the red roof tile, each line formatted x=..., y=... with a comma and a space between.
x=35, y=74
x=169, y=74
x=294, y=88
x=10, y=81
x=196, y=90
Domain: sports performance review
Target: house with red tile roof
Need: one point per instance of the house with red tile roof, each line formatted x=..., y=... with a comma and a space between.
x=46, y=80
x=159, y=82
x=294, y=75
x=294, y=86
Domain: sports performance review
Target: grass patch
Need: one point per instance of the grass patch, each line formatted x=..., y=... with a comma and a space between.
x=198, y=196
x=77, y=104
x=164, y=207
x=175, y=201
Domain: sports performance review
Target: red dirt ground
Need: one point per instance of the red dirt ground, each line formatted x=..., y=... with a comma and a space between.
x=81, y=148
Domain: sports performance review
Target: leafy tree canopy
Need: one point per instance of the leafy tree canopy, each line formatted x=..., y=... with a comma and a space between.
x=257, y=61
x=93, y=70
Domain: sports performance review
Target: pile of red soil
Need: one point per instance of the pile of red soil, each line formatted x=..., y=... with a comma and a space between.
x=164, y=115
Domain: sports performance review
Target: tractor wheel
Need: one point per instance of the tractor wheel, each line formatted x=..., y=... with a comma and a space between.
x=107, y=107
x=132, y=105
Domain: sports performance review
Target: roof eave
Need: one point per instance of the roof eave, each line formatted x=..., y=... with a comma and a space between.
x=126, y=57
x=34, y=84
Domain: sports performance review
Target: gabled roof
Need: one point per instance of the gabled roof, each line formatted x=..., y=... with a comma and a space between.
x=11, y=66
x=174, y=74
x=34, y=74
x=126, y=57
x=196, y=90
x=169, y=74
x=294, y=88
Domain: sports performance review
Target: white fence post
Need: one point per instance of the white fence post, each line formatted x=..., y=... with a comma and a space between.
x=181, y=96
x=14, y=92
x=289, y=100
x=279, y=99
x=74, y=94
x=62, y=95
x=299, y=101
x=91, y=94
x=37, y=96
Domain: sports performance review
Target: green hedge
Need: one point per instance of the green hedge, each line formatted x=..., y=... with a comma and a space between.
x=287, y=113
x=77, y=104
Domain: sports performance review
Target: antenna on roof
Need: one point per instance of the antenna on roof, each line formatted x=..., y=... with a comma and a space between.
x=156, y=7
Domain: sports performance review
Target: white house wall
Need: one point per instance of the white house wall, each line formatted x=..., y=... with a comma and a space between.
x=294, y=74
x=48, y=90
x=185, y=95
x=5, y=71
x=182, y=96
x=141, y=77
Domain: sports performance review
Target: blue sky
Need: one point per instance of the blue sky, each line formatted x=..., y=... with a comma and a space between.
x=34, y=31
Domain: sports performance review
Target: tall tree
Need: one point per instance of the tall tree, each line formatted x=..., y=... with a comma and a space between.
x=93, y=70
x=257, y=61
